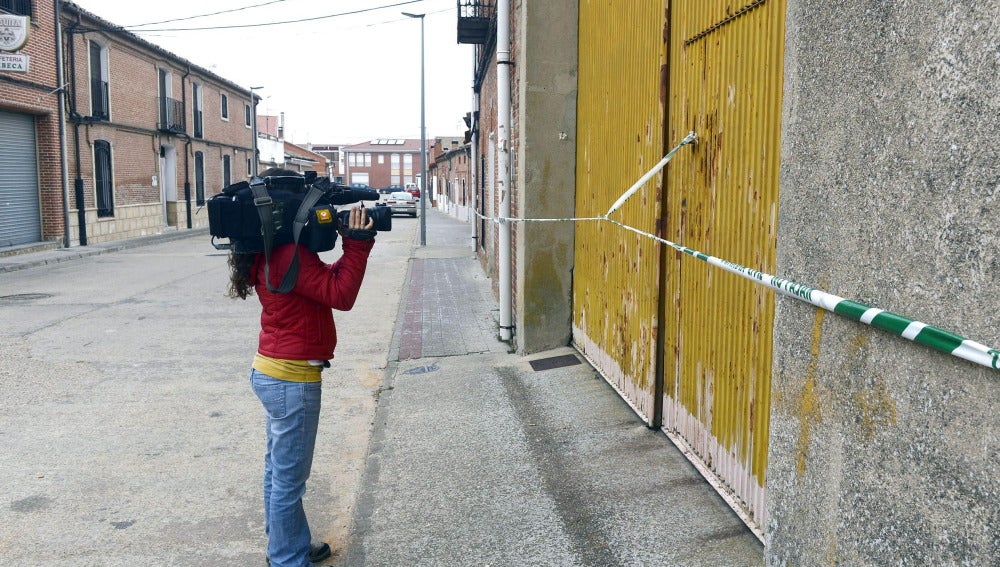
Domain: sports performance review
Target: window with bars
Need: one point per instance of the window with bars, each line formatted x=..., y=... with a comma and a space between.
x=19, y=7
x=104, y=185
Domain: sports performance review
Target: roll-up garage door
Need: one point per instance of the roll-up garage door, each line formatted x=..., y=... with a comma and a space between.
x=20, y=217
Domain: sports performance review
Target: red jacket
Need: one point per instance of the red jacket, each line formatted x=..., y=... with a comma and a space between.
x=298, y=325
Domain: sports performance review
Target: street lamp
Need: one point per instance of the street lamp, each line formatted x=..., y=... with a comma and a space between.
x=423, y=137
x=253, y=130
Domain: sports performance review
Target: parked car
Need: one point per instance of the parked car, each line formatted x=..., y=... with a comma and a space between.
x=413, y=189
x=391, y=189
x=402, y=203
x=363, y=186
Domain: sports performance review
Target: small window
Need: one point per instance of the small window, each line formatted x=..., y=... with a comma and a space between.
x=199, y=178
x=247, y=115
x=227, y=171
x=381, y=159
x=225, y=107
x=249, y=167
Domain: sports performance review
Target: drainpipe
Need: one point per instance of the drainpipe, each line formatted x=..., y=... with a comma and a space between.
x=473, y=169
x=63, y=162
x=187, y=150
x=81, y=211
x=503, y=164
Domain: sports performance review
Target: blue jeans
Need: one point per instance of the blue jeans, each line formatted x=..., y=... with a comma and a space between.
x=292, y=411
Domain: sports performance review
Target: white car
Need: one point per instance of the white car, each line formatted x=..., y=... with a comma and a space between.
x=402, y=203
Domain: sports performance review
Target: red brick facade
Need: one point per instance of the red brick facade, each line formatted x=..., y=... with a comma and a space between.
x=381, y=163
x=162, y=162
x=165, y=160
x=35, y=94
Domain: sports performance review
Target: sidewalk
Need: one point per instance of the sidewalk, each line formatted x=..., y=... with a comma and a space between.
x=478, y=459
x=46, y=255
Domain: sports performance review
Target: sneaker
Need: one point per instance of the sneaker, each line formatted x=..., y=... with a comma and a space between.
x=317, y=552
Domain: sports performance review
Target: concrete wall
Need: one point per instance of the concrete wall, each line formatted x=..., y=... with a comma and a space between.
x=884, y=451
x=545, y=172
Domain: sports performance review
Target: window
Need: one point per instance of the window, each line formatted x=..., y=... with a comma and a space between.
x=99, y=107
x=199, y=127
x=227, y=172
x=199, y=178
x=104, y=179
x=19, y=7
x=381, y=159
x=247, y=115
x=224, y=101
x=249, y=167
x=368, y=160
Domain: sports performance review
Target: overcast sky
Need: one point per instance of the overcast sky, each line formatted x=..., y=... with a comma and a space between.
x=353, y=77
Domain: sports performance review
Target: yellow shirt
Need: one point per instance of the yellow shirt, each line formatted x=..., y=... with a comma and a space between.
x=290, y=370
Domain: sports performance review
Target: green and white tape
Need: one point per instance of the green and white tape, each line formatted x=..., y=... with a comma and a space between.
x=909, y=329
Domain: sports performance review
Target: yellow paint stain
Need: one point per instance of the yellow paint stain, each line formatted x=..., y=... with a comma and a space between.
x=877, y=408
x=808, y=410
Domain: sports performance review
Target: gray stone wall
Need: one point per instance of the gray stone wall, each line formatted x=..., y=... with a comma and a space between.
x=883, y=451
x=545, y=174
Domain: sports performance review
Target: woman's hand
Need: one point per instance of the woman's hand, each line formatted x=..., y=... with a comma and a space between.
x=359, y=219
x=359, y=226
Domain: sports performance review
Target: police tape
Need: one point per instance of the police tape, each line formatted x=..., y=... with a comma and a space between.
x=912, y=330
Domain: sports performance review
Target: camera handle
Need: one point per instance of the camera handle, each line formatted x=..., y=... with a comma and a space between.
x=262, y=200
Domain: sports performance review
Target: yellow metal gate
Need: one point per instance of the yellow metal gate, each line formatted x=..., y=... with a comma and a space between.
x=726, y=78
x=650, y=72
x=620, y=137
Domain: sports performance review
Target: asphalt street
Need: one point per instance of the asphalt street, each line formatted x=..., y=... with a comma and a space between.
x=130, y=435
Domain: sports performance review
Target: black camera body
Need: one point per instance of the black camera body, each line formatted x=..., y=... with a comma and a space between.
x=236, y=212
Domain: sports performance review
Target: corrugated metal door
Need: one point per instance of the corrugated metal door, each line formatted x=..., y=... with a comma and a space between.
x=620, y=137
x=725, y=83
x=20, y=212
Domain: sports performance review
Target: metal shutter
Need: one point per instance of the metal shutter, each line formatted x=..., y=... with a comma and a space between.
x=20, y=215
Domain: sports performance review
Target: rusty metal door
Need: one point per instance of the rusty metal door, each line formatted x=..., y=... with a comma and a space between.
x=620, y=136
x=725, y=69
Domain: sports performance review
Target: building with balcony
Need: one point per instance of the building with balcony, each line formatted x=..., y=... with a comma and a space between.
x=150, y=135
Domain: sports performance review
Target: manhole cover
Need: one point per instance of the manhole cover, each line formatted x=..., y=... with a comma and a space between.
x=25, y=296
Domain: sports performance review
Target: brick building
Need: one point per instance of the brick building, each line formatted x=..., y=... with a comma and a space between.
x=150, y=135
x=450, y=176
x=31, y=185
x=298, y=158
x=383, y=162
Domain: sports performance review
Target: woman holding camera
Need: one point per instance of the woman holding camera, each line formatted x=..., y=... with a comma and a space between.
x=296, y=343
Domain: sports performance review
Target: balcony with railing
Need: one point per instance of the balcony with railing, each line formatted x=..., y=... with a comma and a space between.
x=475, y=20
x=99, y=99
x=171, y=116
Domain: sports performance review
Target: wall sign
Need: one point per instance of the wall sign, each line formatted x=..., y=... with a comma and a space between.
x=14, y=31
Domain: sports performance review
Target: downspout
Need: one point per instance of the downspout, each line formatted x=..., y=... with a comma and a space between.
x=503, y=165
x=63, y=162
x=473, y=173
x=187, y=150
x=81, y=211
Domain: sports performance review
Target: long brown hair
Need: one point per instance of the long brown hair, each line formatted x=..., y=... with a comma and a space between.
x=240, y=266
